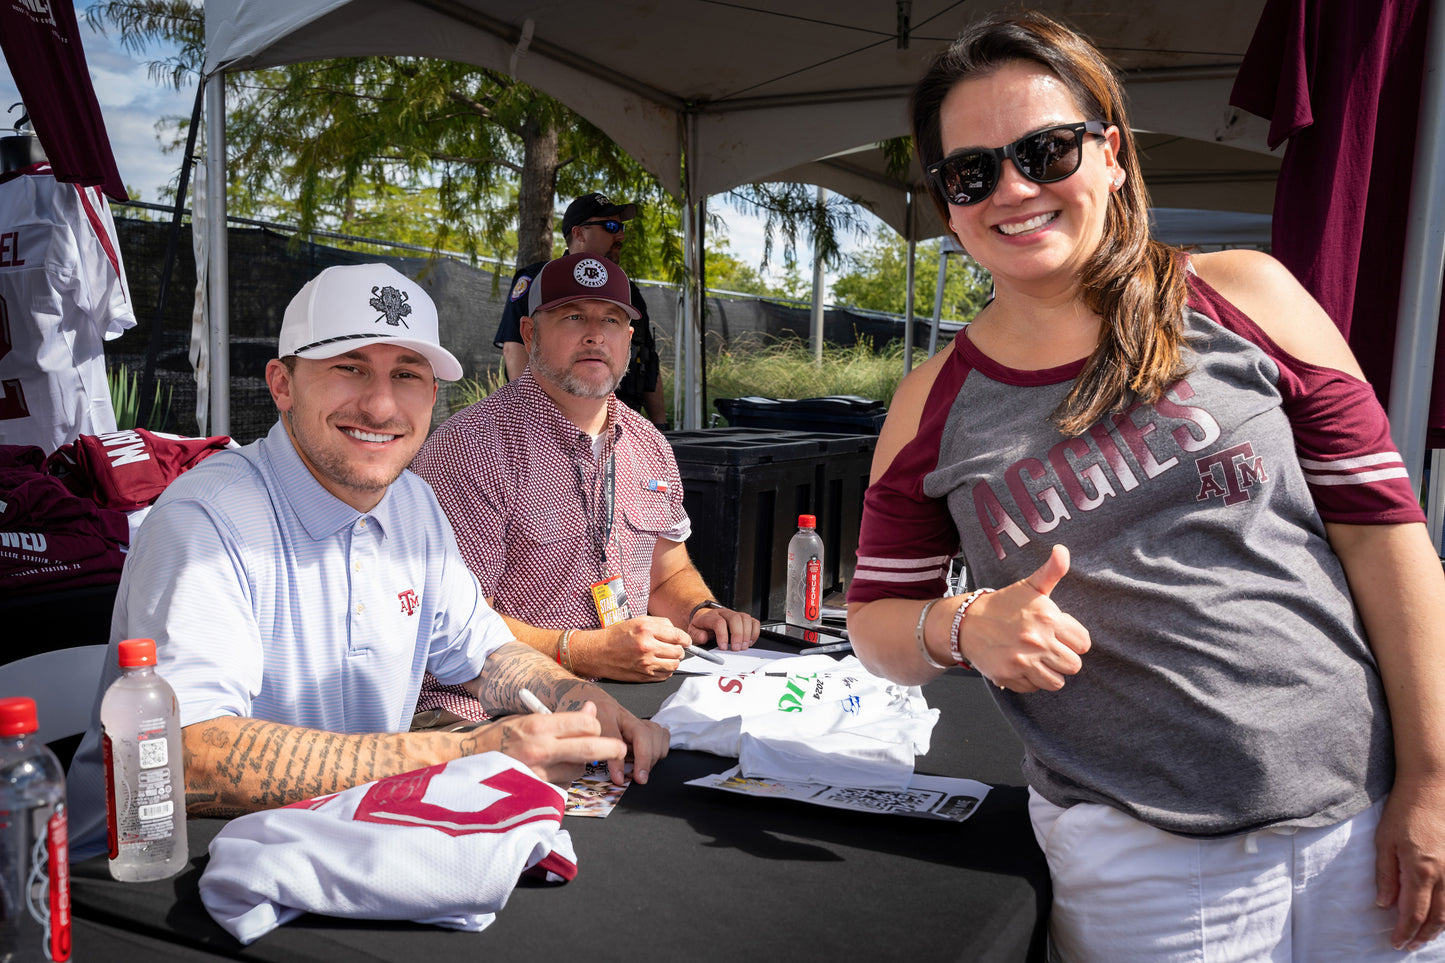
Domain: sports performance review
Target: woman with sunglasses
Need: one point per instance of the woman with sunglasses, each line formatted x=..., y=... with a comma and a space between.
x=1217, y=624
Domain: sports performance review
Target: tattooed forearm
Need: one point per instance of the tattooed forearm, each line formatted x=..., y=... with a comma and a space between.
x=236, y=765
x=513, y=667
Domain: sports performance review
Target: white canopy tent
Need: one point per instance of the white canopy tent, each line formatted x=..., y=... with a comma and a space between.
x=709, y=95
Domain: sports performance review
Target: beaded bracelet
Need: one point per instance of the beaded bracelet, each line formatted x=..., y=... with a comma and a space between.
x=955, y=646
x=563, y=656
x=918, y=635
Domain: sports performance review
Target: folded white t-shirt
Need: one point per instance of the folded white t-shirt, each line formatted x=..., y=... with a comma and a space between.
x=443, y=845
x=817, y=719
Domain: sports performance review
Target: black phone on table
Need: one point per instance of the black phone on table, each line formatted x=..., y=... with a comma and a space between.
x=803, y=636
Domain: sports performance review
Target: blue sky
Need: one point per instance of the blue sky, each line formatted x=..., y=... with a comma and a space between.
x=132, y=104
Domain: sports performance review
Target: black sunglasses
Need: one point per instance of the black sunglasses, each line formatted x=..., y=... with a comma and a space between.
x=1043, y=157
x=610, y=226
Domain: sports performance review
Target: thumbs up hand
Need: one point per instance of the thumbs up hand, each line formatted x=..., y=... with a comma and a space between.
x=1019, y=639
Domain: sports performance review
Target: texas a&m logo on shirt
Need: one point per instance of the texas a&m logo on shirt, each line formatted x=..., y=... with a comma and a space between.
x=409, y=601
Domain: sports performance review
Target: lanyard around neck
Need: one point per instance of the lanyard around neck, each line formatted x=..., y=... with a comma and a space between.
x=599, y=517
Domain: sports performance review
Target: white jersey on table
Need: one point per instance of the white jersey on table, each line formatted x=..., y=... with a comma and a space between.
x=62, y=296
x=443, y=845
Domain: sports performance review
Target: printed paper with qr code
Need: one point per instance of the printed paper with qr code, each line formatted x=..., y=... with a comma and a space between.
x=932, y=797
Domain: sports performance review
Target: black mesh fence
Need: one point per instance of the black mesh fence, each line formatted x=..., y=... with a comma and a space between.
x=267, y=268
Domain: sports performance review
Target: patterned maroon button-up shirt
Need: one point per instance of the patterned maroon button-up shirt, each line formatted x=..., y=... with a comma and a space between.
x=523, y=490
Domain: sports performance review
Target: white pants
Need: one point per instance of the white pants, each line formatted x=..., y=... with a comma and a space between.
x=1125, y=891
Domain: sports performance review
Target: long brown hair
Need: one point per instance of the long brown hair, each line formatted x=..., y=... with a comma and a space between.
x=1135, y=283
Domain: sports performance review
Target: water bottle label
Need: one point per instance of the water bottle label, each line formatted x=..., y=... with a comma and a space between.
x=57, y=854
x=155, y=806
x=158, y=810
x=813, y=590
x=108, y=764
x=141, y=799
x=154, y=752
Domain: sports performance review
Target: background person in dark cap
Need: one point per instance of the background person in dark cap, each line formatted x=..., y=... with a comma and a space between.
x=594, y=225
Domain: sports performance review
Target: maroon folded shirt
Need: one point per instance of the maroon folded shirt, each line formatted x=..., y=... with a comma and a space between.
x=126, y=470
x=49, y=536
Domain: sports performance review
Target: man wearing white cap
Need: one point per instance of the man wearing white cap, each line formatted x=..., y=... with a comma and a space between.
x=299, y=588
x=568, y=505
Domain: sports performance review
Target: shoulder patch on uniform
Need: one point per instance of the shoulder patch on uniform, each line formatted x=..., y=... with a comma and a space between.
x=520, y=288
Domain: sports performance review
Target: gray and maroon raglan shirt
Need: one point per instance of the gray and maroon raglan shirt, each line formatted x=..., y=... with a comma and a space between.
x=1230, y=685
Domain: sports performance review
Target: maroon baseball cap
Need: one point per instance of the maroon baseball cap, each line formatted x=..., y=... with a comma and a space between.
x=580, y=277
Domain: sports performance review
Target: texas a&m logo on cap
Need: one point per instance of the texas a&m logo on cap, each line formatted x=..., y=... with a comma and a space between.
x=590, y=272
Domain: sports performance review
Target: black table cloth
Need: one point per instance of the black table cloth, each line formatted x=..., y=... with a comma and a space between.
x=680, y=872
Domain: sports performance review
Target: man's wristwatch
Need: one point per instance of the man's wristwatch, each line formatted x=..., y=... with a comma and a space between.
x=707, y=604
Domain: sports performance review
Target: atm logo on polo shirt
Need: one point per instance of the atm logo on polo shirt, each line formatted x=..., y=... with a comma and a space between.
x=409, y=602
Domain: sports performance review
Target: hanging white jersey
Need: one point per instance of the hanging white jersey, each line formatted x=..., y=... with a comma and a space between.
x=443, y=845
x=62, y=296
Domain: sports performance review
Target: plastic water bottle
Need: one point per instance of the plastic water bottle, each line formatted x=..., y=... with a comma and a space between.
x=34, y=856
x=144, y=777
x=805, y=575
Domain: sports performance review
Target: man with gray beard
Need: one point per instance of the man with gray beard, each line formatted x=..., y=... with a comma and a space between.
x=568, y=505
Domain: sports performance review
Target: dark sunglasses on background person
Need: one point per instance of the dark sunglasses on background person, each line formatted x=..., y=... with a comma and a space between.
x=610, y=226
x=1043, y=157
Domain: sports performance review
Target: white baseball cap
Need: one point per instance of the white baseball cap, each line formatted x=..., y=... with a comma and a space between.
x=352, y=305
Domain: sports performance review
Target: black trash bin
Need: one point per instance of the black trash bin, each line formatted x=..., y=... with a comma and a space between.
x=841, y=414
x=744, y=489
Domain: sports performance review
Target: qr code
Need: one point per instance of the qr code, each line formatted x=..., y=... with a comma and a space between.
x=153, y=753
x=886, y=800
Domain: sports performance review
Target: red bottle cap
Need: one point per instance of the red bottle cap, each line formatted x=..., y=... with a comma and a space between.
x=807, y=521
x=137, y=652
x=17, y=716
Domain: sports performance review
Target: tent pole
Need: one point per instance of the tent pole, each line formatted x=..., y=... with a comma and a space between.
x=908, y=296
x=679, y=335
x=908, y=308
x=938, y=298
x=818, y=290
x=686, y=415
x=1435, y=501
x=699, y=365
x=217, y=274
x=1420, y=283
x=691, y=321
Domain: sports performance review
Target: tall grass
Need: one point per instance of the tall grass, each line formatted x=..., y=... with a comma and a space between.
x=785, y=368
x=782, y=368
x=471, y=390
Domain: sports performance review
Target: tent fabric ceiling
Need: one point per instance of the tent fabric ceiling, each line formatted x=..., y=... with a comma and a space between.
x=757, y=90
